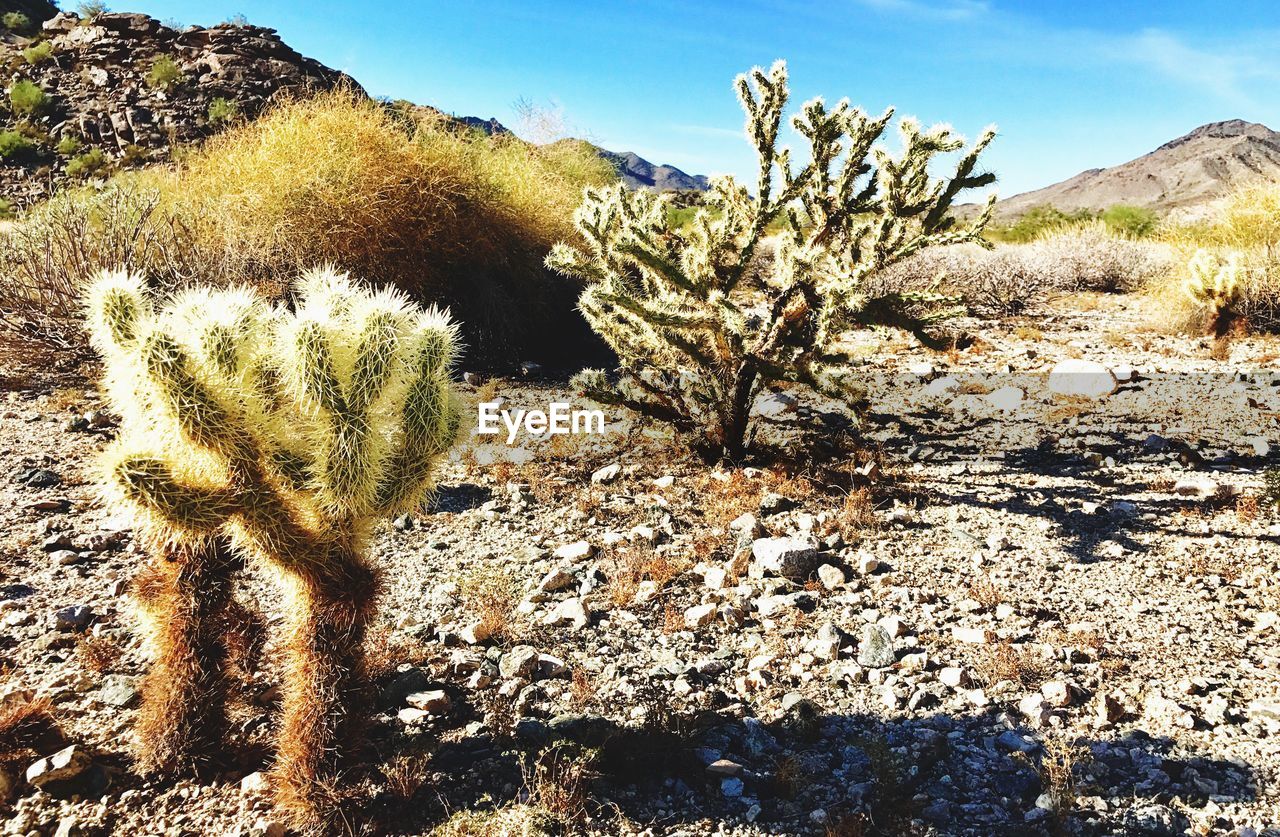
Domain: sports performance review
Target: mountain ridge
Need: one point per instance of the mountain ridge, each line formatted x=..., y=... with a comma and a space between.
x=1186, y=172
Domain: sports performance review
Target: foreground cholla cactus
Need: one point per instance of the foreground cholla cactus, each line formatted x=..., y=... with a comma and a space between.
x=253, y=431
x=1215, y=285
x=702, y=319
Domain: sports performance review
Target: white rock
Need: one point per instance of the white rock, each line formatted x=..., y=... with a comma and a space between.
x=1057, y=693
x=973, y=636
x=699, y=615
x=436, y=701
x=1082, y=378
x=665, y=481
x=1006, y=399
x=576, y=551
x=793, y=558
x=607, y=474
x=831, y=576
x=953, y=676
x=569, y=612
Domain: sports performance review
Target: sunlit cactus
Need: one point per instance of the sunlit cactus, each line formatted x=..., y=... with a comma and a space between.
x=252, y=431
x=703, y=317
x=1214, y=285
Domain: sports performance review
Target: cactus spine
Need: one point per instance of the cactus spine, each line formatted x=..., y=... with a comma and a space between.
x=702, y=318
x=250, y=430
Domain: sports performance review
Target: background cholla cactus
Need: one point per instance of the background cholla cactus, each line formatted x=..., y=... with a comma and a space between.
x=279, y=435
x=1214, y=285
x=699, y=329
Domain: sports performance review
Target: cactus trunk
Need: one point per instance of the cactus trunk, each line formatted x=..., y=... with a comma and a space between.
x=187, y=590
x=326, y=696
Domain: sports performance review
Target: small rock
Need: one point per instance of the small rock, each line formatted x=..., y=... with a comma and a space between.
x=436, y=702
x=73, y=618
x=520, y=662
x=831, y=576
x=571, y=612
x=607, y=474
x=1081, y=378
x=68, y=763
x=699, y=615
x=255, y=783
x=576, y=551
x=723, y=767
x=791, y=558
x=973, y=636
x=876, y=650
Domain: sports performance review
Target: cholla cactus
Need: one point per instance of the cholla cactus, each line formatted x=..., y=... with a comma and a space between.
x=279, y=435
x=1215, y=285
x=699, y=328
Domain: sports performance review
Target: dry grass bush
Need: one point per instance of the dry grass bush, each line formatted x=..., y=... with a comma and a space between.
x=491, y=597
x=985, y=592
x=558, y=781
x=27, y=728
x=1245, y=224
x=1016, y=278
x=98, y=655
x=453, y=217
x=1003, y=660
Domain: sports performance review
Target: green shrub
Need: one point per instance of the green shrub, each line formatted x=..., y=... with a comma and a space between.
x=7, y=212
x=704, y=321
x=14, y=147
x=1133, y=221
x=36, y=53
x=16, y=22
x=69, y=145
x=89, y=9
x=27, y=99
x=1036, y=221
x=222, y=111
x=87, y=164
x=165, y=74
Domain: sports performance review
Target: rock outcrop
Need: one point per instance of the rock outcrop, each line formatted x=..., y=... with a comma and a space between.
x=95, y=78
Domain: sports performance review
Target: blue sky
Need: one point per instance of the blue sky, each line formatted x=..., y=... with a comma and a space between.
x=1072, y=84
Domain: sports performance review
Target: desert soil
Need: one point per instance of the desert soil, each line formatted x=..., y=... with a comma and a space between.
x=1014, y=612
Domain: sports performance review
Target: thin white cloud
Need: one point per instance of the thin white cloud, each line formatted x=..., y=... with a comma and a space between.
x=709, y=131
x=1226, y=74
x=942, y=9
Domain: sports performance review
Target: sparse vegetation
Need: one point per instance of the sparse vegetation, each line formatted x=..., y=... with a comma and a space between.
x=222, y=111
x=14, y=147
x=37, y=53
x=26, y=99
x=89, y=9
x=165, y=74
x=16, y=22
x=90, y=163
x=69, y=145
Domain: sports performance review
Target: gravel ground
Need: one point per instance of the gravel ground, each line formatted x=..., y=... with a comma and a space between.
x=1014, y=611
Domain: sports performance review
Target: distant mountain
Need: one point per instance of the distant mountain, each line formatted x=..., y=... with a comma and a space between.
x=1211, y=161
x=639, y=173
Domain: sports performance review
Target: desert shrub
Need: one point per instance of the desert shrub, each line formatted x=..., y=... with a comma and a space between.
x=6, y=209
x=1130, y=221
x=16, y=22
x=89, y=9
x=36, y=53
x=15, y=147
x=446, y=215
x=68, y=145
x=49, y=255
x=87, y=164
x=237, y=19
x=1034, y=223
x=165, y=74
x=222, y=111
x=1244, y=228
x=27, y=99
x=698, y=332
x=1093, y=257
x=1016, y=278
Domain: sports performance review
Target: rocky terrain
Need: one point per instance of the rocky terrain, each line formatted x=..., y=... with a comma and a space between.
x=1042, y=599
x=98, y=80
x=1190, y=171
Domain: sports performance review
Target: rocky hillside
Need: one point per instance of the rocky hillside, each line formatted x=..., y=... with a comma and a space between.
x=124, y=89
x=1189, y=171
